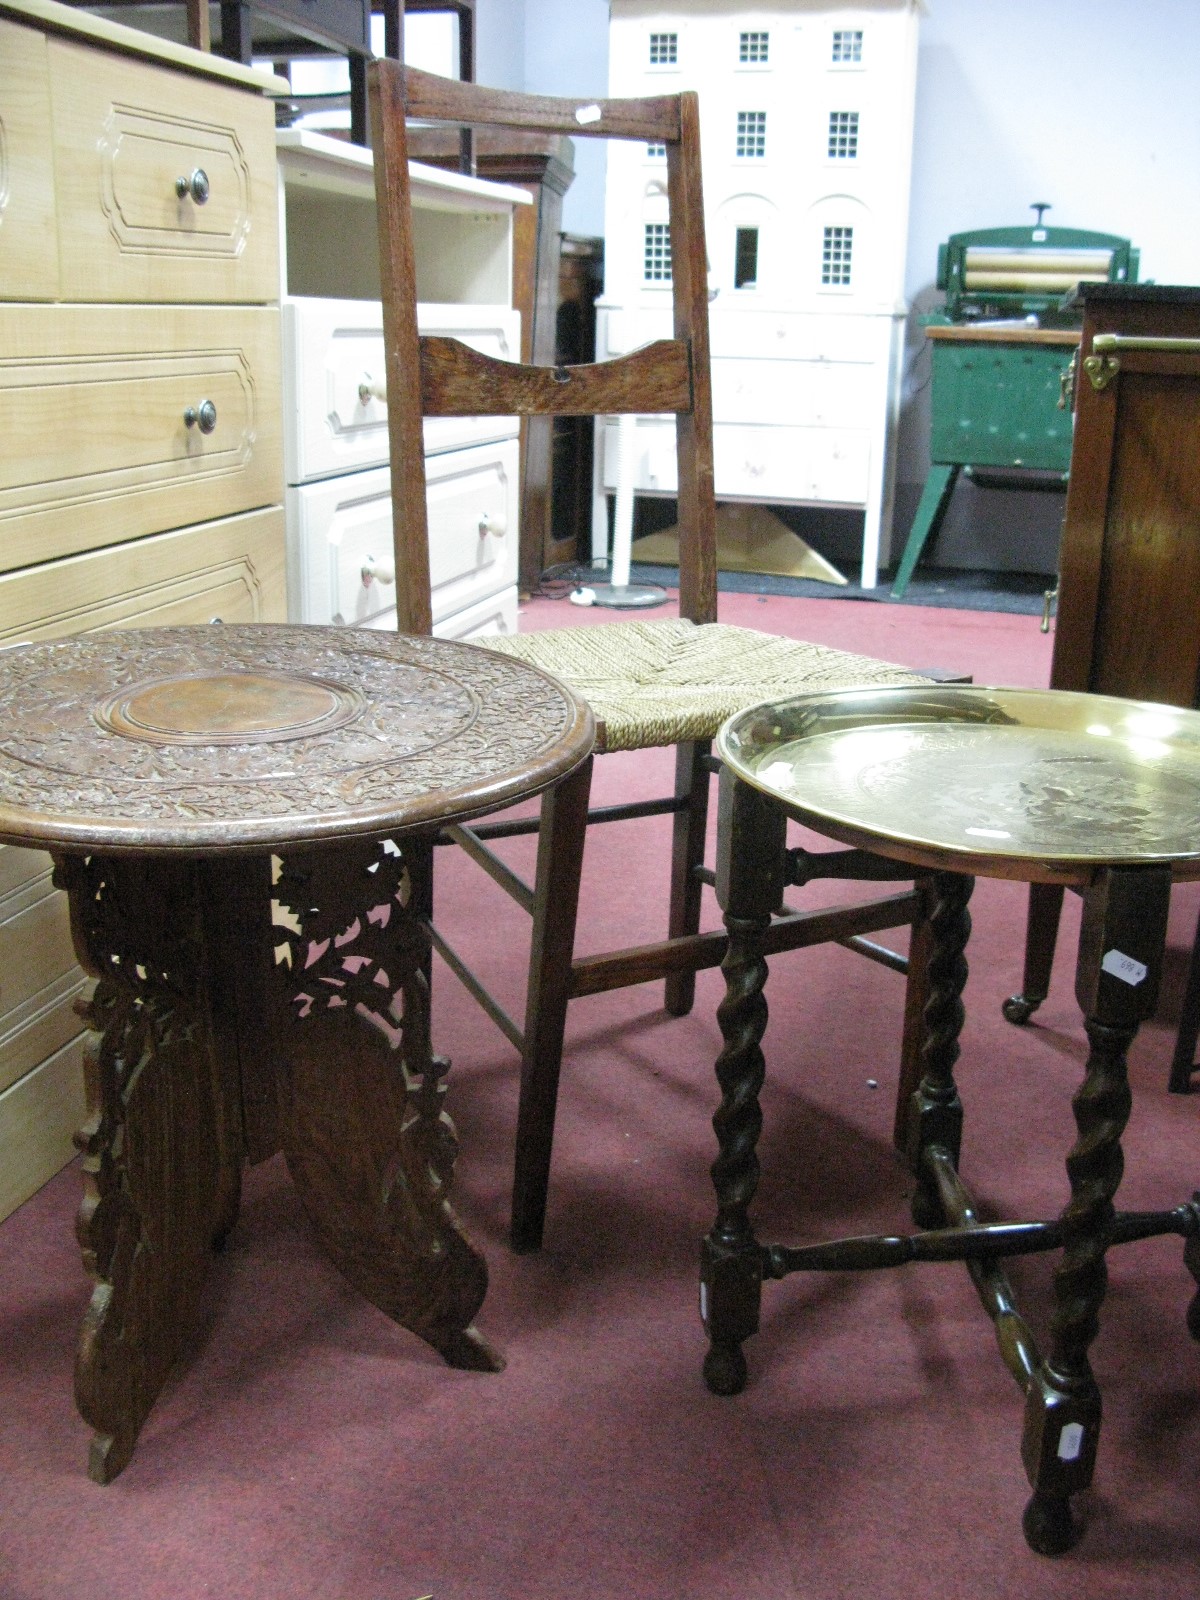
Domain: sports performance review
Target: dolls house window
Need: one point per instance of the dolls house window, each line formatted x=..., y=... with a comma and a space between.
x=837, y=246
x=752, y=134
x=656, y=253
x=664, y=49
x=843, y=135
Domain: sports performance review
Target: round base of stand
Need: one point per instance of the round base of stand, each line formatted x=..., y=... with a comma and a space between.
x=631, y=596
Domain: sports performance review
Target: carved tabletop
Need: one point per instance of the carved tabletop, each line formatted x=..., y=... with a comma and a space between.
x=244, y=819
x=218, y=738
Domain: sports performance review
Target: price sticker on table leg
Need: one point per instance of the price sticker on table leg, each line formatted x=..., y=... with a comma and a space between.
x=1070, y=1442
x=1124, y=967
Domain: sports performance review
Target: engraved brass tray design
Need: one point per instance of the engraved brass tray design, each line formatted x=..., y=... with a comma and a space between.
x=1031, y=783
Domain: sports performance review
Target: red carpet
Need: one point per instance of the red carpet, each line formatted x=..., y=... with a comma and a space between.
x=311, y=1449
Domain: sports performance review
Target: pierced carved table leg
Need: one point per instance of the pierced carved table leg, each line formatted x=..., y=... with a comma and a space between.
x=162, y=1144
x=935, y=1111
x=749, y=888
x=1120, y=958
x=367, y=1140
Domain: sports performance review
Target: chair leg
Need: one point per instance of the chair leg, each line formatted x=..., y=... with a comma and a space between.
x=687, y=857
x=1041, y=933
x=556, y=902
x=1183, y=1063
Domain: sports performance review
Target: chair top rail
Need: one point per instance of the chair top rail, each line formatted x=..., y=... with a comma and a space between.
x=428, y=97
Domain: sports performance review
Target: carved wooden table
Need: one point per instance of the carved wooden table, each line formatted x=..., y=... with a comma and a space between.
x=243, y=819
x=1034, y=785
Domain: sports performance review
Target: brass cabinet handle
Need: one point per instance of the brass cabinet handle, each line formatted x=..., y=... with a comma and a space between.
x=203, y=416
x=196, y=186
x=1103, y=365
x=1114, y=343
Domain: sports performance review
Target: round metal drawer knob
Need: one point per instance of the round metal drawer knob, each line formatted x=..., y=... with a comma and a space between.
x=203, y=416
x=196, y=186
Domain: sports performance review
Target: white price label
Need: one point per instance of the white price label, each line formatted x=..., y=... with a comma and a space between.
x=1070, y=1442
x=586, y=114
x=1124, y=967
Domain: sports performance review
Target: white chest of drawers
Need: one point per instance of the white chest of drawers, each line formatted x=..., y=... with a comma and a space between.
x=142, y=473
x=335, y=411
x=807, y=110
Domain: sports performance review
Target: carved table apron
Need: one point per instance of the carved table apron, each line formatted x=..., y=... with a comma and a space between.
x=1033, y=785
x=243, y=819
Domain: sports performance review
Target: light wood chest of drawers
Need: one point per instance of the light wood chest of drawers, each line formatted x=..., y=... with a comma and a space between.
x=141, y=481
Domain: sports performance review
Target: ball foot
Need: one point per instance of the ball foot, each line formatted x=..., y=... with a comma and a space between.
x=1049, y=1527
x=1018, y=1009
x=725, y=1369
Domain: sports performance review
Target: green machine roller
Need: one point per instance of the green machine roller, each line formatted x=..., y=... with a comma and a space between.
x=1001, y=351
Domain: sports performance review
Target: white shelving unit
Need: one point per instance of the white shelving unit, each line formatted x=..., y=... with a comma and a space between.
x=806, y=112
x=338, y=499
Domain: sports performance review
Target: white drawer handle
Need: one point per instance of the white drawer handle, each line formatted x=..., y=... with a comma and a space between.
x=203, y=416
x=371, y=389
x=196, y=186
x=376, y=572
x=489, y=522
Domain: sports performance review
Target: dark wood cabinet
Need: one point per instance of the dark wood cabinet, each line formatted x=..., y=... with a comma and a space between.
x=1128, y=610
x=1129, y=568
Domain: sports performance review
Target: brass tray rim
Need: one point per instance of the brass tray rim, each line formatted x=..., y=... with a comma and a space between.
x=984, y=860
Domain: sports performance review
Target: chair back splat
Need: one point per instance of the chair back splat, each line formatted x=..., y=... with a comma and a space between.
x=663, y=682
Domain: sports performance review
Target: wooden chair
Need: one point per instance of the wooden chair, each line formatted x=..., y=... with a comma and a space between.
x=649, y=683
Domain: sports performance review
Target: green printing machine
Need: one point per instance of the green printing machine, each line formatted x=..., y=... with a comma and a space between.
x=1001, y=353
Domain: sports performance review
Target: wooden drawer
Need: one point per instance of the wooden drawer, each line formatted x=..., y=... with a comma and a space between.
x=38, y=1117
x=811, y=393
x=766, y=335
x=819, y=464
x=781, y=464
x=620, y=331
x=339, y=528
x=332, y=347
x=483, y=620
x=92, y=412
x=38, y=976
x=28, y=232
x=123, y=133
x=230, y=571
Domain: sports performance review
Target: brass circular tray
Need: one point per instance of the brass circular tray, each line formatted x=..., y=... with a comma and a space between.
x=1031, y=783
